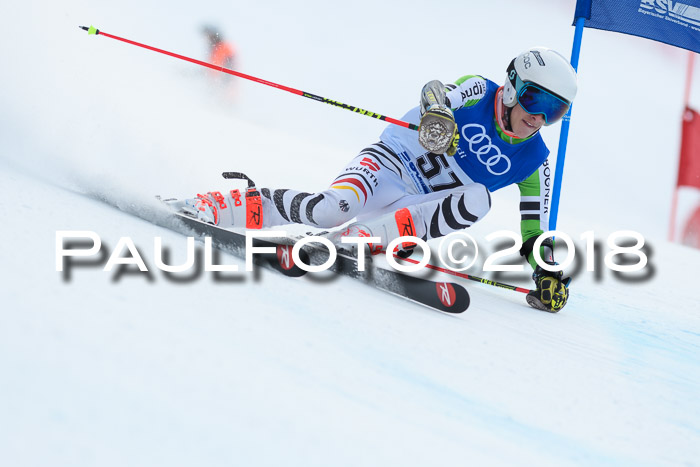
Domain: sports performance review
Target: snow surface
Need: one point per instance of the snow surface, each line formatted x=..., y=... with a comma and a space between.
x=142, y=369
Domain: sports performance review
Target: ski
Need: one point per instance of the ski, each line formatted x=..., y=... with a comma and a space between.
x=447, y=297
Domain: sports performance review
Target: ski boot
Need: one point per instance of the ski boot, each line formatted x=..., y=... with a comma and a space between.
x=384, y=228
x=230, y=210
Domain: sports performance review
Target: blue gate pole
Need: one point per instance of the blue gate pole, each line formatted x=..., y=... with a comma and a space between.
x=564, y=136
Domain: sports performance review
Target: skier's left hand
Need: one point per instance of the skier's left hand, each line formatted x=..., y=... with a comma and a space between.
x=552, y=291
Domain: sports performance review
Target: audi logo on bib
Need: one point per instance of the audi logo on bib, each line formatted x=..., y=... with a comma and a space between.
x=486, y=152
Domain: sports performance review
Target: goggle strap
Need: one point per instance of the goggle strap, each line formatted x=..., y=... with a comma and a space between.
x=511, y=73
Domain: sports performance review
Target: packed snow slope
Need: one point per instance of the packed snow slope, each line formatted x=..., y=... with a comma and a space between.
x=132, y=368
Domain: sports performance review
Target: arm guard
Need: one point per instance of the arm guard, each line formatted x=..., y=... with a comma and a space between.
x=433, y=94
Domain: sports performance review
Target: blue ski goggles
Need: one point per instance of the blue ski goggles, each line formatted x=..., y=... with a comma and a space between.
x=538, y=101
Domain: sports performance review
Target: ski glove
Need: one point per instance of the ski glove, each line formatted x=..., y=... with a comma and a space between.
x=437, y=131
x=552, y=291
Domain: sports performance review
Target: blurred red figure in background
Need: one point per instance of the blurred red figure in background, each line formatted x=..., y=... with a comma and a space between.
x=221, y=52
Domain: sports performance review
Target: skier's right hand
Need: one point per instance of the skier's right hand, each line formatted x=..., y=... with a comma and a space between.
x=437, y=132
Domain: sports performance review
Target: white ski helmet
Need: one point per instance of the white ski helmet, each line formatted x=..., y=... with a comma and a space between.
x=542, y=81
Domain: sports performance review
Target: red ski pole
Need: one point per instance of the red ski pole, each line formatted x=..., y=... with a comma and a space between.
x=95, y=31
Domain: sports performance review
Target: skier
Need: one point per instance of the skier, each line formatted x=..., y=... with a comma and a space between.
x=474, y=137
x=221, y=52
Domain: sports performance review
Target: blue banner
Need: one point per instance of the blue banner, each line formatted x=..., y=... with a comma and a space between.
x=668, y=21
